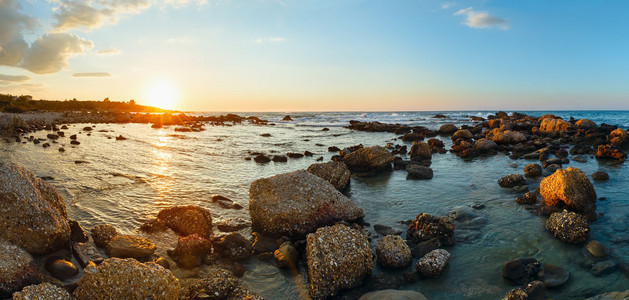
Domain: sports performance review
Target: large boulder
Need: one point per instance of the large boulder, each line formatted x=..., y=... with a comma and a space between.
x=568, y=227
x=485, y=145
x=416, y=171
x=33, y=213
x=448, y=129
x=393, y=252
x=334, y=172
x=569, y=188
x=498, y=136
x=618, y=138
x=42, y=291
x=420, y=151
x=16, y=269
x=426, y=227
x=553, y=126
x=297, y=203
x=370, y=159
x=586, y=124
x=190, y=250
x=117, y=278
x=337, y=257
x=462, y=134
x=187, y=220
x=433, y=263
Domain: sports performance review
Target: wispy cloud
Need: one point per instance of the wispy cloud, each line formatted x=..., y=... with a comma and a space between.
x=14, y=78
x=92, y=74
x=50, y=53
x=108, y=51
x=270, y=40
x=481, y=19
x=448, y=5
x=87, y=15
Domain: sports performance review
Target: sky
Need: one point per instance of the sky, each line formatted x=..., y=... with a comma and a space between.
x=306, y=55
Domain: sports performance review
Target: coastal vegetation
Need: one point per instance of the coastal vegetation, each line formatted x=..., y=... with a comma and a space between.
x=24, y=103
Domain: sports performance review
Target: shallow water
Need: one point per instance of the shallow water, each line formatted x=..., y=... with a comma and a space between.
x=125, y=183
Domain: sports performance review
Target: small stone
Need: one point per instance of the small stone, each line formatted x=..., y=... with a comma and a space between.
x=61, y=269
x=433, y=263
x=86, y=253
x=128, y=246
x=600, y=176
x=512, y=180
x=597, y=249
x=555, y=276
x=603, y=268
x=102, y=234
x=286, y=256
x=393, y=252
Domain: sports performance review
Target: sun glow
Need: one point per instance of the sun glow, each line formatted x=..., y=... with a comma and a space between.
x=161, y=94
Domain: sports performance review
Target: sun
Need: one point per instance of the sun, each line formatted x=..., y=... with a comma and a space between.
x=161, y=94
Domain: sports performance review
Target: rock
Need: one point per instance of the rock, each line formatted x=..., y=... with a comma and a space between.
x=61, y=269
x=52, y=136
x=597, y=249
x=42, y=291
x=187, y=220
x=86, y=253
x=102, y=234
x=16, y=269
x=261, y=159
x=333, y=149
x=265, y=135
x=61, y=149
x=521, y=270
x=420, y=151
x=586, y=124
x=393, y=295
x=336, y=173
x=520, y=189
x=512, y=180
x=77, y=234
x=554, y=126
x=337, y=257
x=416, y=171
x=129, y=246
x=217, y=284
x=234, y=246
x=75, y=143
x=424, y=247
x=385, y=230
x=485, y=145
x=87, y=128
x=426, y=227
x=498, y=136
x=600, y=176
x=297, y=203
x=603, y=268
x=532, y=291
x=554, y=276
x=287, y=118
x=568, y=227
x=370, y=159
x=533, y=170
x=618, y=138
x=611, y=296
x=231, y=225
x=264, y=244
x=462, y=134
x=121, y=138
x=190, y=250
x=286, y=257
x=570, y=188
x=433, y=263
x=34, y=215
x=279, y=158
x=126, y=279
x=528, y=198
x=448, y=129
x=610, y=152
x=294, y=155
x=393, y=252
x=73, y=137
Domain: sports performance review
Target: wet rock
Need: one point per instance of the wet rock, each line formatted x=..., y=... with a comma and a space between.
x=265, y=135
x=580, y=158
x=52, y=136
x=393, y=252
x=426, y=227
x=424, y=247
x=532, y=291
x=568, y=227
x=287, y=118
x=521, y=270
x=73, y=137
x=261, y=159
x=121, y=138
x=370, y=159
x=485, y=145
x=129, y=246
x=337, y=257
x=603, y=268
x=412, y=137
x=433, y=263
x=297, y=203
x=586, y=124
x=86, y=253
x=279, y=158
x=231, y=225
x=162, y=262
x=463, y=134
x=533, y=170
x=618, y=138
x=448, y=129
x=286, y=256
x=554, y=126
x=336, y=173
x=87, y=128
x=61, y=269
x=294, y=155
x=392, y=294
x=385, y=230
x=34, y=215
x=528, y=198
x=610, y=152
x=596, y=249
x=468, y=223
x=600, y=176
x=102, y=234
x=611, y=296
x=77, y=234
x=126, y=279
x=520, y=189
x=264, y=244
x=16, y=269
x=512, y=180
x=382, y=281
x=333, y=149
x=187, y=220
x=190, y=250
x=234, y=246
x=416, y=171
x=554, y=276
x=75, y=143
x=62, y=149
x=42, y=291
x=420, y=151
x=217, y=284
x=570, y=188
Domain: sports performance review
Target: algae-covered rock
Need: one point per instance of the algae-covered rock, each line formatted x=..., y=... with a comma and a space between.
x=426, y=227
x=334, y=172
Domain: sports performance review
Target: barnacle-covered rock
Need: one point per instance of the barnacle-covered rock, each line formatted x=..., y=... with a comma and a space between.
x=393, y=252
x=16, y=269
x=433, y=263
x=334, y=172
x=568, y=227
x=42, y=291
x=426, y=227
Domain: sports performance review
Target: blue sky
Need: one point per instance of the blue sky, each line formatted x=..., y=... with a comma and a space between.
x=320, y=55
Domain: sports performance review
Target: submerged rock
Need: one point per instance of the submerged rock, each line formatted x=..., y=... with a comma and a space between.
x=521, y=270
x=234, y=246
x=596, y=249
x=34, y=215
x=297, y=203
x=286, y=256
x=533, y=290
x=603, y=268
x=368, y=160
x=336, y=173
x=393, y=252
x=433, y=263
x=570, y=188
x=217, y=284
x=393, y=295
x=426, y=227
x=42, y=291
x=512, y=180
x=416, y=171
x=129, y=246
x=600, y=176
x=190, y=250
x=16, y=269
x=568, y=227
x=337, y=257
x=554, y=276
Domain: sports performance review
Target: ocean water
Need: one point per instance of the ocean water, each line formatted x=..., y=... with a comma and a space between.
x=125, y=183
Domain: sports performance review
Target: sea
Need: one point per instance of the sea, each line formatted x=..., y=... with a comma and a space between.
x=127, y=182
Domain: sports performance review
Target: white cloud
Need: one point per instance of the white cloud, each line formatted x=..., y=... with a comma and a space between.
x=108, y=51
x=448, y=5
x=12, y=25
x=14, y=78
x=87, y=15
x=92, y=74
x=50, y=53
x=481, y=19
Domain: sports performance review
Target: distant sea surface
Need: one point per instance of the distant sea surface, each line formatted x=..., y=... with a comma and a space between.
x=125, y=183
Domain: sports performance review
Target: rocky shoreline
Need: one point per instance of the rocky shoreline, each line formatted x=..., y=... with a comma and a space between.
x=304, y=218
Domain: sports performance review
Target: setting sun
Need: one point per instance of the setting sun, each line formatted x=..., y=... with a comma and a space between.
x=161, y=94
